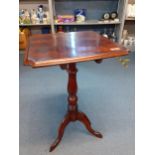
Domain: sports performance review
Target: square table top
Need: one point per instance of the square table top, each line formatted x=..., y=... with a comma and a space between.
x=63, y=48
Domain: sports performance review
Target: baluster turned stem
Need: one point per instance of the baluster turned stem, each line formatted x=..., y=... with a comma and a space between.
x=72, y=90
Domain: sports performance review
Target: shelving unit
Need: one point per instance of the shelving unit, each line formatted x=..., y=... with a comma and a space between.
x=33, y=4
x=95, y=9
x=129, y=25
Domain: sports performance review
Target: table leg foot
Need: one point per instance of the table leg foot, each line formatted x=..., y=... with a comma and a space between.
x=60, y=133
x=84, y=119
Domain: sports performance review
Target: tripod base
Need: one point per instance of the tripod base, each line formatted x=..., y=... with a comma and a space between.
x=78, y=116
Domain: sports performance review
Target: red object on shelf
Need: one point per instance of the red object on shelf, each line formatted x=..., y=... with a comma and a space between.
x=60, y=29
x=65, y=18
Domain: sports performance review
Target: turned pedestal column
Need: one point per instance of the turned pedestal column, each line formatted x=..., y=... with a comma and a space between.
x=73, y=114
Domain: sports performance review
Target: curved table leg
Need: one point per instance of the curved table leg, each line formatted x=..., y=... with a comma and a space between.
x=60, y=133
x=84, y=119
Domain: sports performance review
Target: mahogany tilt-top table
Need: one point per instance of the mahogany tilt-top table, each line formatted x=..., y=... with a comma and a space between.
x=65, y=50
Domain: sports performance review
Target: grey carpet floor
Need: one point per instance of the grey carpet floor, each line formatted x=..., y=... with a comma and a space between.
x=106, y=94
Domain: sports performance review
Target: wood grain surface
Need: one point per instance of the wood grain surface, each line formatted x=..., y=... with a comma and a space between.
x=64, y=48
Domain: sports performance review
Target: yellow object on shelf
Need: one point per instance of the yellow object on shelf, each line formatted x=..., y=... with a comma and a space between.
x=23, y=38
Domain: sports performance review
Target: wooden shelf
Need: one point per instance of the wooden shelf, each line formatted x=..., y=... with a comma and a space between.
x=130, y=18
x=89, y=22
x=34, y=24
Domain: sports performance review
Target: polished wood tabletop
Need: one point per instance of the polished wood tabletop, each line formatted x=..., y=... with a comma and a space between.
x=63, y=48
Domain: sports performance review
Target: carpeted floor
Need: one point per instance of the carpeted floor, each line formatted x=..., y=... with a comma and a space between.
x=106, y=95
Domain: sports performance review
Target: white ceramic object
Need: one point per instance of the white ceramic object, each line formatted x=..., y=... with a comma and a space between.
x=130, y=38
x=133, y=10
x=116, y=19
x=44, y=20
x=80, y=18
x=125, y=33
x=130, y=10
x=122, y=41
x=37, y=21
x=126, y=42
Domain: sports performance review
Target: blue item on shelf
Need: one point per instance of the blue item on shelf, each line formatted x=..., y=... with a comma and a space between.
x=45, y=30
x=80, y=14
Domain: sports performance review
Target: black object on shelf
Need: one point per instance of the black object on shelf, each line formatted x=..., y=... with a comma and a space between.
x=113, y=15
x=45, y=30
